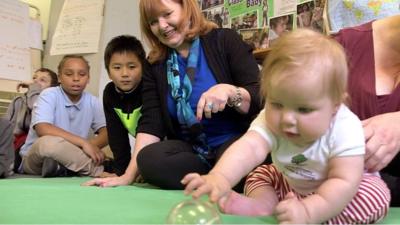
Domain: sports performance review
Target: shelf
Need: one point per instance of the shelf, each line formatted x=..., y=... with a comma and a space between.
x=260, y=54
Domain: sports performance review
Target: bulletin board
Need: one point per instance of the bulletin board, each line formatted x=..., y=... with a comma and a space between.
x=257, y=20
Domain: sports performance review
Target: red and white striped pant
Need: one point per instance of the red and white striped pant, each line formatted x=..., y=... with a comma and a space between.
x=369, y=205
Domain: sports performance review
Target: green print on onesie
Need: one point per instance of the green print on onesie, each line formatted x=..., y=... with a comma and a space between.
x=298, y=159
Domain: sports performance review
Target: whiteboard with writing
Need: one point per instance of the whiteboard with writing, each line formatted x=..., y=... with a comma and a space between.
x=15, y=58
x=78, y=28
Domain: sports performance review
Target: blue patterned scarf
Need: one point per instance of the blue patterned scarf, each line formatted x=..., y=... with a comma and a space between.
x=181, y=91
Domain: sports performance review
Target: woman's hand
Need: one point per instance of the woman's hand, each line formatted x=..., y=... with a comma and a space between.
x=382, y=134
x=214, y=100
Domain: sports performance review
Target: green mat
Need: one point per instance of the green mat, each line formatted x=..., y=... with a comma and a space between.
x=64, y=201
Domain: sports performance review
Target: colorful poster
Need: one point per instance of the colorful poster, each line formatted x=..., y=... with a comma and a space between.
x=260, y=20
x=245, y=14
x=305, y=14
x=278, y=26
x=206, y=4
x=218, y=15
x=257, y=38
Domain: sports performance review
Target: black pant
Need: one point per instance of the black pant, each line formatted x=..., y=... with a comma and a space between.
x=165, y=163
x=391, y=175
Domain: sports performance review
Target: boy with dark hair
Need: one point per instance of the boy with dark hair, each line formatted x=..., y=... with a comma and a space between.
x=125, y=60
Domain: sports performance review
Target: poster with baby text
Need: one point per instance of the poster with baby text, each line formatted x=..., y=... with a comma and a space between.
x=245, y=14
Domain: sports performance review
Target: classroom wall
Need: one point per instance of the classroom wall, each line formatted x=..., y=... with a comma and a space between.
x=120, y=17
x=44, y=7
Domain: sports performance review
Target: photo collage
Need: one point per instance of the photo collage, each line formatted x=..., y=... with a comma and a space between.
x=261, y=22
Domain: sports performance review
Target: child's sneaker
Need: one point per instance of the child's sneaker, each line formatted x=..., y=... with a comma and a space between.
x=51, y=168
x=108, y=166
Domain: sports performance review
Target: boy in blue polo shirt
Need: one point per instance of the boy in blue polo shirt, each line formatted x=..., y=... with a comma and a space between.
x=62, y=118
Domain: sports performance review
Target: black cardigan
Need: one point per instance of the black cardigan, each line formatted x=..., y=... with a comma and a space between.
x=230, y=60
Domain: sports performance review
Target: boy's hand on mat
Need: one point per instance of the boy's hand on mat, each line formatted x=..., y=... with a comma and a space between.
x=94, y=153
x=108, y=182
x=213, y=184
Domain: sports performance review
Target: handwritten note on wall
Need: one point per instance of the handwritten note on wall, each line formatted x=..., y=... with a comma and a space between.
x=283, y=7
x=78, y=28
x=15, y=58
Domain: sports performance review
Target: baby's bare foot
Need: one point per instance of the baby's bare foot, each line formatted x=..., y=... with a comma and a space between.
x=237, y=204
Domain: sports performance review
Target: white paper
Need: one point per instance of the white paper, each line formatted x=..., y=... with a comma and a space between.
x=15, y=61
x=35, y=34
x=78, y=29
x=283, y=7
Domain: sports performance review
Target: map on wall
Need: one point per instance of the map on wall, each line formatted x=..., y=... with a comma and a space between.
x=347, y=13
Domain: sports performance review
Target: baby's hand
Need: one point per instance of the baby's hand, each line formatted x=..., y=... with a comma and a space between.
x=213, y=184
x=291, y=210
x=195, y=185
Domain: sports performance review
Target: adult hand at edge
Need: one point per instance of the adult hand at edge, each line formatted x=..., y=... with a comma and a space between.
x=382, y=135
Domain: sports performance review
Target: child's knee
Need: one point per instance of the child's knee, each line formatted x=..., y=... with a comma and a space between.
x=47, y=145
